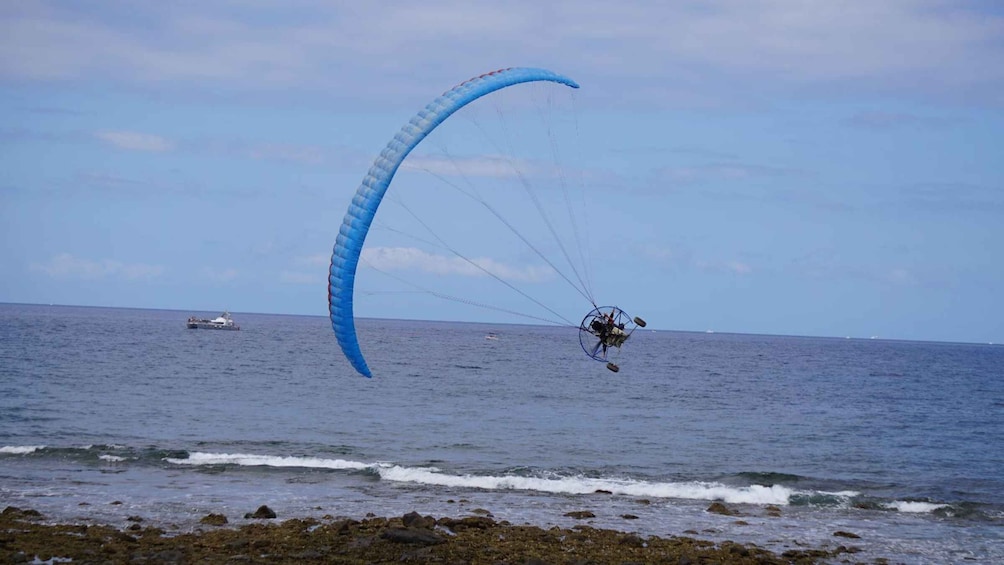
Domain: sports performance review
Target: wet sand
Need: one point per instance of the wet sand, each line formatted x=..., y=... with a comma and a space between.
x=26, y=536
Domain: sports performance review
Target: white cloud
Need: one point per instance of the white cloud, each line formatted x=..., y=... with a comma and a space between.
x=135, y=141
x=313, y=260
x=731, y=267
x=490, y=166
x=65, y=265
x=218, y=275
x=412, y=259
x=915, y=46
x=294, y=277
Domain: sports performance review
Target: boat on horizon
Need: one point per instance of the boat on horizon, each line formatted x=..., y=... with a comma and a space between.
x=221, y=322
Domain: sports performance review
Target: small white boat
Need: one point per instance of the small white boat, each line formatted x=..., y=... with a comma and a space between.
x=221, y=322
x=491, y=336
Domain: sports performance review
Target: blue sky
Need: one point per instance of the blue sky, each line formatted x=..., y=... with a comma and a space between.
x=782, y=167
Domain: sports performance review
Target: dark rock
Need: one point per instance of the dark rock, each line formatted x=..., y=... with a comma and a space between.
x=263, y=513
x=213, y=519
x=116, y=503
x=122, y=536
x=134, y=519
x=470, y=522
x=719, y=508
x=843, y=534
x=482, y=512
x=632, y=540
x=773, y=511
x=629, y=516
x=134, y=528
x=580, y=514
x=416, y=520
x=736, y=549
x=169, y=556
x=27, y=514
x=412, y=536
x=602, y=491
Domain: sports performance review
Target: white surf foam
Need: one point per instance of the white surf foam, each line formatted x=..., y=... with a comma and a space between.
x=690, y=490
x=199, y=458
x=582, y=485
x=20, y=449
x=111, y=458
x=914, y=507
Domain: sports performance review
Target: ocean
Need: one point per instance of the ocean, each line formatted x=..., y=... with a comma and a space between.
x=109, y=413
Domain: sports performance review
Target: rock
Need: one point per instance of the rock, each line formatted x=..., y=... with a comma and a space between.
x=580, y=514
x=170, y=556
x=27, y=514
x=482, y=512
x=629, y=516
x=134, y=519
x=213, y=519
x=416, y=520
x=719, y=508
x=773, y=511
x=632, y=540
x=602, y=491
x=470, y=522
x=843, y=534
x=263, y=513
x=412, y=536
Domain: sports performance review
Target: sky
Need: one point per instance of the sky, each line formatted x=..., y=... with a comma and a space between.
x=764, y=166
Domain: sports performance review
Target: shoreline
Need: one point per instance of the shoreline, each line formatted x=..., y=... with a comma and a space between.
x=26, y=536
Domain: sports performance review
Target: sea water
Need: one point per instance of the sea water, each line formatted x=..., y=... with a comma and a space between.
x=111, y=413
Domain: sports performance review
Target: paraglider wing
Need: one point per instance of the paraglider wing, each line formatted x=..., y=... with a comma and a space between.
x=352, y=234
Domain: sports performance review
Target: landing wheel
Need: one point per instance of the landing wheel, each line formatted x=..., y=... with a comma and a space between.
x=639, y=322
x=613, y=367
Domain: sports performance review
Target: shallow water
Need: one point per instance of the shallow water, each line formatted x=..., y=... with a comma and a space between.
x=898, y=442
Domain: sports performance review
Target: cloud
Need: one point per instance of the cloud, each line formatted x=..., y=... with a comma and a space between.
x=958, y=196
x=918, y=47
x=730, y=267
x=490, y=166
x=65, y=265
x=413, y=259
x=135, y=141
x=218, y=275
x=876, y=120
x=726, y=171
x=313, y=260
x=294, y=277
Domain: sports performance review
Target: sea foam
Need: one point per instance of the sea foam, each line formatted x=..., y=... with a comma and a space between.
x=20, y=449
x=914, y=506
x=199, y=458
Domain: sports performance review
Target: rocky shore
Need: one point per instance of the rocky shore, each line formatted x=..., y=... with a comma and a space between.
x=26, y=536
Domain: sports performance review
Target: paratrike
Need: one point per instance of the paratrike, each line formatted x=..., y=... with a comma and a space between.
x=606, y=328
x=474, y=173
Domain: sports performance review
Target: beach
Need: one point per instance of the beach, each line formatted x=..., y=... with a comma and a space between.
x=26, y=536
